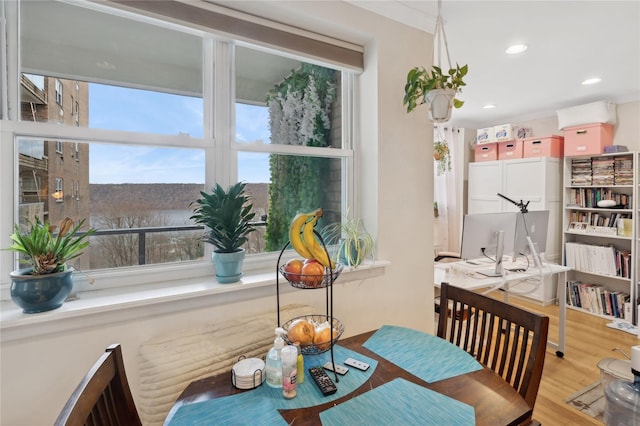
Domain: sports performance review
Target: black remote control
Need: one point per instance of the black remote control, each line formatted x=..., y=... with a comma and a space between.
x=322, y=379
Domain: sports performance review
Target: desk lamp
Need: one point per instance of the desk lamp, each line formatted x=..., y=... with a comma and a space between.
x=524, y=210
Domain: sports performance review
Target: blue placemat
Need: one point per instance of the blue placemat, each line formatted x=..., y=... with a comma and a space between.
x=247, y=408
x=258, y=406
x=399, y=402
x=423, y=355
x=308, y=392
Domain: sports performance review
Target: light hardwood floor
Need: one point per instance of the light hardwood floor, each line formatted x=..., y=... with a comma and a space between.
x=588, y=340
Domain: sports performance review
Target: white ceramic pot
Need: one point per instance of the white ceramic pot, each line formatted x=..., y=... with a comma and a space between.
x=440, y=104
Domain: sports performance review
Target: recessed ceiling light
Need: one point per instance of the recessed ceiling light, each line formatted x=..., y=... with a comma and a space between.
x=591, y=81
x=516, y=48
x=488, y=106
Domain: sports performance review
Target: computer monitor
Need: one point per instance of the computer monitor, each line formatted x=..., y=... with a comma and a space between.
x=534, y=224
x=488, y=235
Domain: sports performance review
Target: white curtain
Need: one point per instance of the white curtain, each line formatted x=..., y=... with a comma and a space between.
x=447, y=192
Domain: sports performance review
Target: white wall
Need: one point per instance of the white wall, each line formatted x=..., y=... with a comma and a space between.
x=37, y=375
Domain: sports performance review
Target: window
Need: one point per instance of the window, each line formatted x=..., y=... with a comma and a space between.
x=150, y=132
x=58, y=92
x=58, y=193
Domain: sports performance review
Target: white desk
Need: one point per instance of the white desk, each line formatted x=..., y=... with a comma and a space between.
x=461, y=274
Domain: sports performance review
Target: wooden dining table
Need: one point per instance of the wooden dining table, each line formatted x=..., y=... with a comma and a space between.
x=494, y=401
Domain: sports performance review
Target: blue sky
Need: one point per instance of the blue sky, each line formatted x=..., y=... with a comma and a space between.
x=119, y=108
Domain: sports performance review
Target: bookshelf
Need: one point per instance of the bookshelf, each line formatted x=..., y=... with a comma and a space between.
x=600, y=241
x=637, y=236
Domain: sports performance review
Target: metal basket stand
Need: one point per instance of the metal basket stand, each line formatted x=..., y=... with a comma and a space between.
x=328, y=296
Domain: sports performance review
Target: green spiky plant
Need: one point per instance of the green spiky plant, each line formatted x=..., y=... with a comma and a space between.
x=48, y=253
x=228, y=216
x=420, y=82
x=354, y=242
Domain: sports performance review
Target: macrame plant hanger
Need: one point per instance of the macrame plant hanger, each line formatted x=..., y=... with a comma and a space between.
x=440, y=40
x=440, y=102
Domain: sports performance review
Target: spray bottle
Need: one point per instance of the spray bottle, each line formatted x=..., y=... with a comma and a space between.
x=274, y=360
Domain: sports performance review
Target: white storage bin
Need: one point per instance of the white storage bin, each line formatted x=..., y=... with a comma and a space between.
x=595, y=112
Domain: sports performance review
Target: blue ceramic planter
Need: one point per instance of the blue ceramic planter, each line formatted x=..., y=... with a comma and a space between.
x=40, y=293
x=352, y=260
x=228, y=266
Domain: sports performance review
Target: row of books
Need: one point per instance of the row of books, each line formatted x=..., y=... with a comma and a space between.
x=623, y=171
x=599, y=300
x=602, y=171
x=603, y=260
x=589, y=197
x=597, y=219
x=581, y=172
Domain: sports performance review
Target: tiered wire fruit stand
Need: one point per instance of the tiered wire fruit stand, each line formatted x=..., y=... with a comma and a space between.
x=313, y=282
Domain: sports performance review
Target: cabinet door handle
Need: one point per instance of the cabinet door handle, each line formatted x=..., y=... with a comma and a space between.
x=581, y=132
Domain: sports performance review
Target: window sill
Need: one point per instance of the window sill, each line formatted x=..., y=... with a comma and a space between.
x=100, y=307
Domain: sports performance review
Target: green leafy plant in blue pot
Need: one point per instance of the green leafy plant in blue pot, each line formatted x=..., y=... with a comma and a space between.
x=48, y=281
x=227, y=215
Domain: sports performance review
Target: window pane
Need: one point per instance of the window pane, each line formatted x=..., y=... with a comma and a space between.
x=252, y=123
x=136, y=196
x=283, y=185
x=303, y=104
x=285, y=102
x=121, y=108
x=139, y=78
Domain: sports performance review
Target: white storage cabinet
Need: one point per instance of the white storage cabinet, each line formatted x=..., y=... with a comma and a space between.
x=534, y=180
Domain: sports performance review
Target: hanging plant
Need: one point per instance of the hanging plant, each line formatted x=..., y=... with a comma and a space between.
x=421, y=82
x=434, y=87
x=442, y=156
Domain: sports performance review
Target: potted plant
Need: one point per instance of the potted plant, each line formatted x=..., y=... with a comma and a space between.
x=442, y=156
x=47, y=282
x=435, y=88
x=354, y=243
x=227, y=215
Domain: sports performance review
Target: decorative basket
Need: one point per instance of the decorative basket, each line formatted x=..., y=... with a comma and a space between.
x=315, y=320
x=312, y=281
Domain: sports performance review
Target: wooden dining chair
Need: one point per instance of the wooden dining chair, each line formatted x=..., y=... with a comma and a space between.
x=510, y=340
x=103, y=397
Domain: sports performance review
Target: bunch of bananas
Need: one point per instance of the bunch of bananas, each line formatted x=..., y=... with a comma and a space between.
x=304, y=241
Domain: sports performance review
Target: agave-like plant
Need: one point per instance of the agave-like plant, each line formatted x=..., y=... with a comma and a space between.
x=48, y=253
x=228, y=216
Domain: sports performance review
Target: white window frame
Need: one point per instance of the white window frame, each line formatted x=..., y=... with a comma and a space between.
x=220, y=152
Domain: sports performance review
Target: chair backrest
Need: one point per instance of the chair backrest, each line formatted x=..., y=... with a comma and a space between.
x=510, y=340
x=103, y=397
